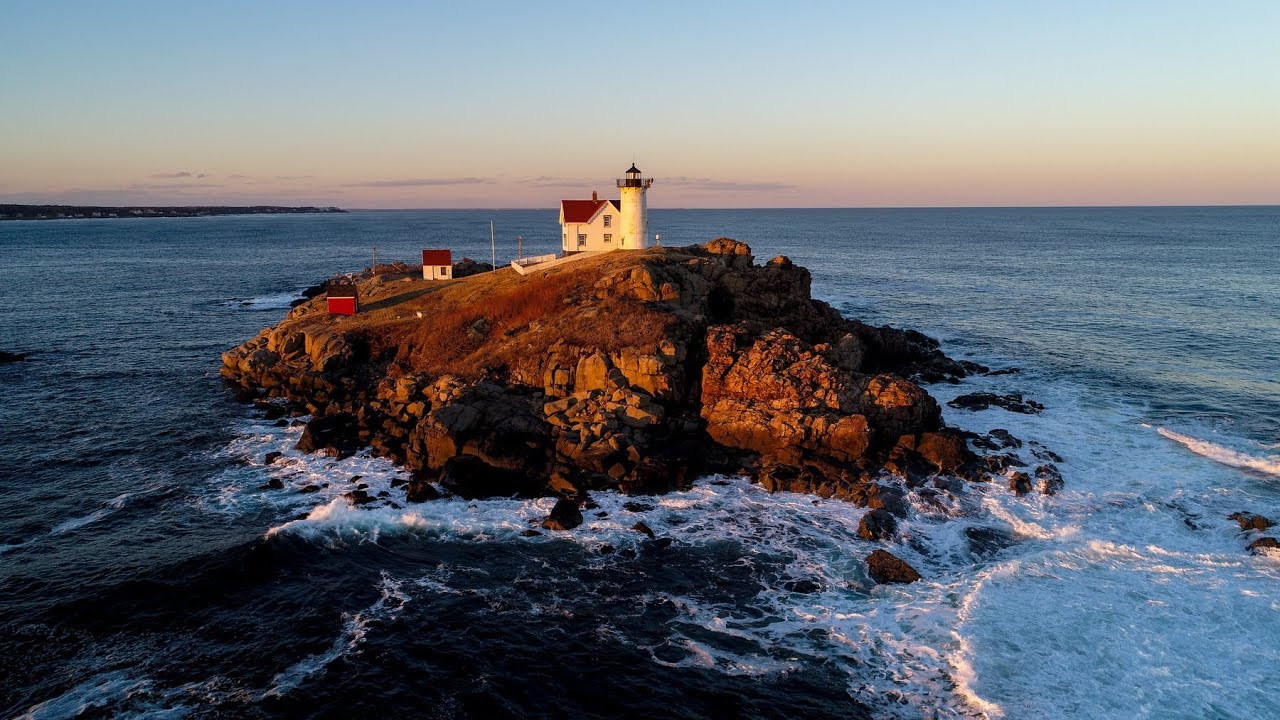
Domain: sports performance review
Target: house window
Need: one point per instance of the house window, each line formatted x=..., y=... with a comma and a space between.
x=444, y=270
x=608, y=237
x=582, y=240
x=608, y=221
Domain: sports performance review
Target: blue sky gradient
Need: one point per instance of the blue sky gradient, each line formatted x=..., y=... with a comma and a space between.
x=498, y=104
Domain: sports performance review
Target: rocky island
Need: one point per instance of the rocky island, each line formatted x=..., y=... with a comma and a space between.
x=634, y=372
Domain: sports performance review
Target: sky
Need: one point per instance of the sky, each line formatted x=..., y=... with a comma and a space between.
x=726, y=104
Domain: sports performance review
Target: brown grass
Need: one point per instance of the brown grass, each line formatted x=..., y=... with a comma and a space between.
x=522, y=317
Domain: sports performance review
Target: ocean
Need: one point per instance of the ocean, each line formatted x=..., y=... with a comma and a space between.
x=144, y=573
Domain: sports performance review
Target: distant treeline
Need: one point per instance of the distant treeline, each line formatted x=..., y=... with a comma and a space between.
x=55, y=212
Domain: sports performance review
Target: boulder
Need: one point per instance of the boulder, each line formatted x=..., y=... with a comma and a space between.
x=419, y=490
x=1020, y=483
x=878, y=524
x=564, y=516
x=1249, y=521
x=1262, y=544
x=643, y=528
x=885, y=567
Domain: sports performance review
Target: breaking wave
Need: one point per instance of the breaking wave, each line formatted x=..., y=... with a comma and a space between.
x=1269, y=465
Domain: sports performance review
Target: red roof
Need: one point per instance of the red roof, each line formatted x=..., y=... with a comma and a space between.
x=437, y=257
x=580, y=211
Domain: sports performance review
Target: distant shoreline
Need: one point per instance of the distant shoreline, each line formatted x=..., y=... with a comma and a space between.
x=92, y=212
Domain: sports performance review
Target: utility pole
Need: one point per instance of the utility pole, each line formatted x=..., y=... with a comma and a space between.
x=493, y=249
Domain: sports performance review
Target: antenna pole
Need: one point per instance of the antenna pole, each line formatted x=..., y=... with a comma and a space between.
x=519, y=247
x=493, y=248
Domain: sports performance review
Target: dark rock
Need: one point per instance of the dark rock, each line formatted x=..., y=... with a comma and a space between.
x=1044, y=453
x=997, y=464
x=359, y=497
x=531, y=533
x=637, y=507
x=472, y=478
x=564, y=516
x=641, y=527
x=1249, y=521
x=802, y=587
x=659, y=544
x=8, y=357
x=309, y=489
x=271, y=457
x=878, y=524
x=885, y=567
x=1020, y=483
x=272, y=484
x=420, y=490
x=1013, y=402
x=1005, y=438
x=1257, y=547
x=1050, y=479
x=984, y=541
x=467, y=267
x=1003, y=371
x=336, y=434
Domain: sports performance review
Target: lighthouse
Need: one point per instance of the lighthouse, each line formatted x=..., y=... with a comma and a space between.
x=634, y=210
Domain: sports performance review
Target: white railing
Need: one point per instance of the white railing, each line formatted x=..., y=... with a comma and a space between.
x=526, y=262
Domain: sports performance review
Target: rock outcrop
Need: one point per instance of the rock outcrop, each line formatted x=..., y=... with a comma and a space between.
x=884, y=567
x=632, y=372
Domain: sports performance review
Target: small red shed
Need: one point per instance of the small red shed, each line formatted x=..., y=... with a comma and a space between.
x=437, y=264
x=343, y=299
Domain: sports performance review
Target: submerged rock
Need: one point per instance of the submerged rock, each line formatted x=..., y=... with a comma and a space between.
x=878, y=524
x=8, y=357
x=984, y=541
x=1013, y=402
x=564, y=516
x=885, y=567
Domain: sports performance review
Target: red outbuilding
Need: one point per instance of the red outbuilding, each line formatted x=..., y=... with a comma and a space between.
x=343, y=299
x=437, y=264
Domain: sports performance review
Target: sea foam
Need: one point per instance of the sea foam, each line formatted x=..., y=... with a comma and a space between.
x=1269, y=465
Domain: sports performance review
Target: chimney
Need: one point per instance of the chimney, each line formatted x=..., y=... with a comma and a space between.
x=594, y=197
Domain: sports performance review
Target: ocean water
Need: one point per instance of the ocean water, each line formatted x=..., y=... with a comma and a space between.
x=143, y=573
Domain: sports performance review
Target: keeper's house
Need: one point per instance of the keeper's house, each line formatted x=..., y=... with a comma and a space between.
x=343, y=299
x=437, y=264
x=589, y=225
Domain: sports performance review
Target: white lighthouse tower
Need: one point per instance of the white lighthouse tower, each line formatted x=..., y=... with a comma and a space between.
x=634, y=210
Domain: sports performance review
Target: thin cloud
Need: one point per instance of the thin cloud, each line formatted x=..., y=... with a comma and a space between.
x=726, y=185
x=173, y=186
x=181, y=174
x=294, y=177
x=556, y=182
x=421, y=182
